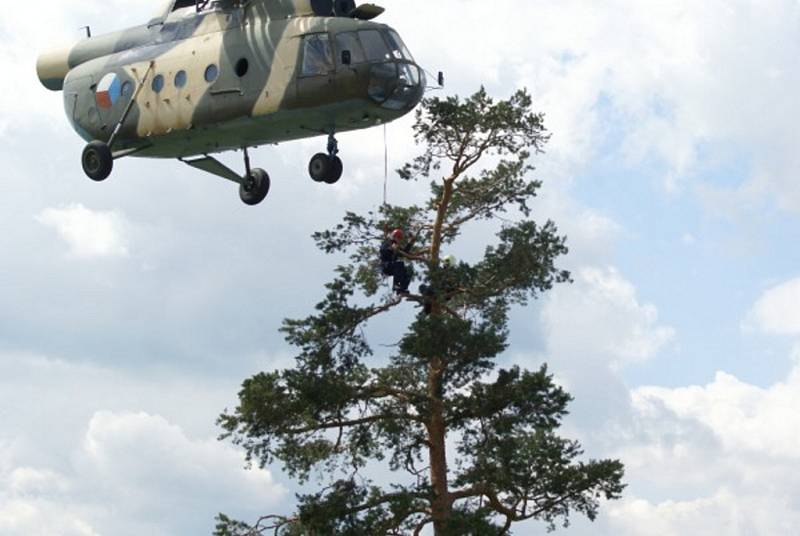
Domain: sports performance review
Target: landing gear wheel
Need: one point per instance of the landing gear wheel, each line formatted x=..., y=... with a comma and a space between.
x=97, y=161
x=255, y=187
x=335, y=170
x=320, y=167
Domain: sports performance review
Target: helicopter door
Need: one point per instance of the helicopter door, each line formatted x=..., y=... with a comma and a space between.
x=315, y=78
x=235, y=82
x=350, y=60
x=230, y=88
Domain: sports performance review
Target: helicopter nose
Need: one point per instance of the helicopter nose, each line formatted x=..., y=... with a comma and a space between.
x=396, y=86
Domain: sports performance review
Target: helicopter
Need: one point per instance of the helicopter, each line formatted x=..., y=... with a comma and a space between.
x=204, y=76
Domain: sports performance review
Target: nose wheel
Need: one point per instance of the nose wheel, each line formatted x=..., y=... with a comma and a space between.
x=97, y=161
x=327, y=167
x=97, y=158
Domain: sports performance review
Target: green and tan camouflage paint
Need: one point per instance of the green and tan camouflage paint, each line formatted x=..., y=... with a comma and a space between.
x=270, y=104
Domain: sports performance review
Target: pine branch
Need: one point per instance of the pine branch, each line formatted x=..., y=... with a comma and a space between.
x=351, y=423
x=366, y=314
x=422, y=524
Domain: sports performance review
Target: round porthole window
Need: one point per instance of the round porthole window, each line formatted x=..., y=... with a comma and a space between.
x=211, y=73
x=158, y=83
x=242, y=66
x=180, y=79
x=127, y=90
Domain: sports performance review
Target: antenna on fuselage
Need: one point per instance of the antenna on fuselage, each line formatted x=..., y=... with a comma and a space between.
x=88, y=31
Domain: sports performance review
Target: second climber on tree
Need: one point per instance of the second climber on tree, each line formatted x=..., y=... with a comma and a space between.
x=444, y=286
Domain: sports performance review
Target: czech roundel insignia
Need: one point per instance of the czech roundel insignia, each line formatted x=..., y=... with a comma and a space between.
x=108, y=91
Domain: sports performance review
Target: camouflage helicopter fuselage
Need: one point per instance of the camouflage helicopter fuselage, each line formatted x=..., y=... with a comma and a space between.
x=202, y=80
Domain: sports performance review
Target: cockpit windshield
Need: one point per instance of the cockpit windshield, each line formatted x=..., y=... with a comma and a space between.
x=191, y=6
x=179, y=4
x=399, y=49
x=374, y=45
x=383, y=46
x=349, y=41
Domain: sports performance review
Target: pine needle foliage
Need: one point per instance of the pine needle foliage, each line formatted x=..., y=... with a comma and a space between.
x=440, y=395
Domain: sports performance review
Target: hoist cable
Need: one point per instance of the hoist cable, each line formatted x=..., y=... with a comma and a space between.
x=385, y=165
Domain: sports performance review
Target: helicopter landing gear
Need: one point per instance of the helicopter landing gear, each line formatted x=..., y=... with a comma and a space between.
x=97, y=161
x=254, y=187
x=97, y=158
x=327, y=167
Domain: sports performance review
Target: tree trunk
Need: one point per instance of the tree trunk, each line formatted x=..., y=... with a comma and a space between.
x=436, y=236
x=437, y=450
x=437, y=432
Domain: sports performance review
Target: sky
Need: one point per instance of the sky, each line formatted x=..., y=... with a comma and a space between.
x=132, y=310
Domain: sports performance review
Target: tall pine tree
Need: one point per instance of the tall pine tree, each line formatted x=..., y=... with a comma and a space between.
x=478, y=444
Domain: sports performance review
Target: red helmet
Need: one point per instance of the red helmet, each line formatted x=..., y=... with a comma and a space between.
x=397, y=235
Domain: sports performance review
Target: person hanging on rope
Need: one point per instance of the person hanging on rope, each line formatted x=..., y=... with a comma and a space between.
x=391, y=251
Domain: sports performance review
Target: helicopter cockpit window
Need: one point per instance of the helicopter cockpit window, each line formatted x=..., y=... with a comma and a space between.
x=399, y=49
x=374, y=45
x=317, y=57
x=183, y=3
x=178, y=9
x=349, y=41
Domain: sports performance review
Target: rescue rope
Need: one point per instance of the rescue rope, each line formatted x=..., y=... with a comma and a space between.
x=385, y=165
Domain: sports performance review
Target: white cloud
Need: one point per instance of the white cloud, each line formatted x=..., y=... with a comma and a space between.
x=26, y=480
x=133, y=473
x=688, y=84
x=89, y=234
x=727, y=512
x=777, y=311
x=720, y=452
x=34, y=517
x=745, y=418
x=144, y=457
x=115, y=453
x=599, y=318
x=592, y=235
x=592, y=329
x=703, y=460
x=32, y=500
